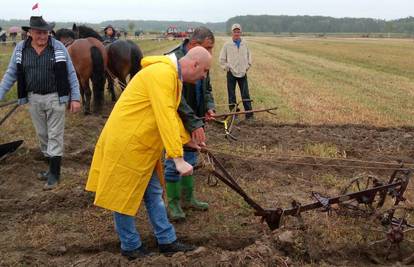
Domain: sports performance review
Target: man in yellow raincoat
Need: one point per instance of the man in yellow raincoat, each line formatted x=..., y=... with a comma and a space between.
x=126, y=163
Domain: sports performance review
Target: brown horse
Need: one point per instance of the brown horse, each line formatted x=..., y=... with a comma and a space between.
x=89, y=59
x=124, y=57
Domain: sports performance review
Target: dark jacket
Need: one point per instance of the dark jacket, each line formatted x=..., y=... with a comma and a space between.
x=189, y=112
x=109, y=39
x=66, y=81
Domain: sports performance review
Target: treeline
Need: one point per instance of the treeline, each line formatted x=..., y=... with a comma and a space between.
x=320, y=24
x=263, y=23
x=129, y=25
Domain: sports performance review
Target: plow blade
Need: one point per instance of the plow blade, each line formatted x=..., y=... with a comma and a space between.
x=9, y=147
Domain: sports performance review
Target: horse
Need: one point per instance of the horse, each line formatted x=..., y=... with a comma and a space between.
x=124, y=58
x=89, y=59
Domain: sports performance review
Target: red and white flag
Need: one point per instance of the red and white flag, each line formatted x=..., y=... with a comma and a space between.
x=35, y=6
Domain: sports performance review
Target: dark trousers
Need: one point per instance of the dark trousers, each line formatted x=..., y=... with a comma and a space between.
x=244, y=91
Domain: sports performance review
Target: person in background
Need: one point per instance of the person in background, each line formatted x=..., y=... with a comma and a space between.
x=109, y=35
x=3, y=35
x=236, y=59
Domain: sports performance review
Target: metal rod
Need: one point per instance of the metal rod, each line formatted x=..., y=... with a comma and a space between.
x=9, y=113
x=230, y=181
x=7, y=103
x=241, y=112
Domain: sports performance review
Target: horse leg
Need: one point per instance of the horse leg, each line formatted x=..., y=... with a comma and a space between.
x=111, y=87
x=82, y=93
x=98, y=78
x=88, y=93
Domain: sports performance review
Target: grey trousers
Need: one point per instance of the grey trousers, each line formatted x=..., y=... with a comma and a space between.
x=48, y=117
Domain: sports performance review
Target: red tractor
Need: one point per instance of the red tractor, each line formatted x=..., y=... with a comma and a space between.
x=173, y=32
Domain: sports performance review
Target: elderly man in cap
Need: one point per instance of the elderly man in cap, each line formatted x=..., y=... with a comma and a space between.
x=47, y=80
x=235, y=59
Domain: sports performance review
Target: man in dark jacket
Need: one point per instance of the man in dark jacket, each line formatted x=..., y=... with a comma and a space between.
x=197, y=102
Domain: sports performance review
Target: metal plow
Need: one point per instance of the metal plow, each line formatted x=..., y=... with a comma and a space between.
x=363, y=197
x=10, y=147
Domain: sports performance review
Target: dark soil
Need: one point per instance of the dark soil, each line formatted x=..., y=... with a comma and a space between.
x=63, y=228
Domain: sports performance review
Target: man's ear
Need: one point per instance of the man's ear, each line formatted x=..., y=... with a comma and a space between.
x=192, y=43
x=195, y=64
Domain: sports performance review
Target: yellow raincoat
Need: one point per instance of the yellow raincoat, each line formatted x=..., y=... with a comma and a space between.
x=143, y=122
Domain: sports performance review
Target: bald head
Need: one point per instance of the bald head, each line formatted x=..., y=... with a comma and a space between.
x=195, y=64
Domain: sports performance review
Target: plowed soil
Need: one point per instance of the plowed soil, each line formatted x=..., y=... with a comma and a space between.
x=63, y=228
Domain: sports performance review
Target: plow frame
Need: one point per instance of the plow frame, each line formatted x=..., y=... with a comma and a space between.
x=395, y=188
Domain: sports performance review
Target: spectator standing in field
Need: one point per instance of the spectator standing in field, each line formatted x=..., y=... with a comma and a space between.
x=235, y=58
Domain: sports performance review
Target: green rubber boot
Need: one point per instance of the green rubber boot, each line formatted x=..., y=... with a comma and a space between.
x=189, y=200
x=174, y=208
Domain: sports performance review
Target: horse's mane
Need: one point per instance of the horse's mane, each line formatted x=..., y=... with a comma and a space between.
x=85, y=32
x=64, y=33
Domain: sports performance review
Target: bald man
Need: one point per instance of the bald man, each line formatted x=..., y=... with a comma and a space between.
x=127, y=159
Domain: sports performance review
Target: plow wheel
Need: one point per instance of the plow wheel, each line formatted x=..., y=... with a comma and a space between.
x=392, y=235
x=365, y=205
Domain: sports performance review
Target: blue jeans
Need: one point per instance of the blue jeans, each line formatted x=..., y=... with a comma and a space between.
x=157, y=213
x=171, y=173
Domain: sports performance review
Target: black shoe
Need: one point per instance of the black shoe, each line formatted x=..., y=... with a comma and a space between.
x=136, y=253
x=174, y=247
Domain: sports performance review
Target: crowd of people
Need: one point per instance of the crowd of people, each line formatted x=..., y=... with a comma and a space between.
x=152, y=136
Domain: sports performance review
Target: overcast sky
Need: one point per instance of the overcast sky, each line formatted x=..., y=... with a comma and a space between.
x=204, y=11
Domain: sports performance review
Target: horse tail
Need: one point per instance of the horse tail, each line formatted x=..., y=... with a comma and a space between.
x=136, y=56
x=98, y=76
